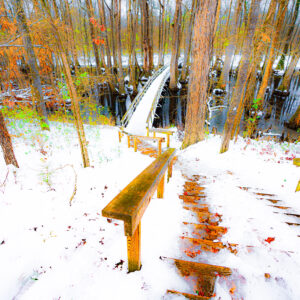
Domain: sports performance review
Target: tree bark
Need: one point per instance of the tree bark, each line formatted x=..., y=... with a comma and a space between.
x=36, y=87
x=175, y=46
x=201, y=56
x=271, y=57
x=161, y=39
x=6, y=144
x=242, y=78
x=146, y=35
x=117, y=19
x=71, y=87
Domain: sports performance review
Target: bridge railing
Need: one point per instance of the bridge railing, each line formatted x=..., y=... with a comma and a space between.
x=151, y=115
x=138, y=98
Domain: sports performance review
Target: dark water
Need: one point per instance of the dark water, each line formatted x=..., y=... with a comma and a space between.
x=171, y=109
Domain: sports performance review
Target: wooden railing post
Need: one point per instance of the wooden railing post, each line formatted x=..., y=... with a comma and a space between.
x=168, y=140
x=147, y=131
x=298, y=187
x=135, y=144
x=170, y=169
x=120, y=136
x=134, y=250
x=159, y=147
x=161, y=188
x=128, y=141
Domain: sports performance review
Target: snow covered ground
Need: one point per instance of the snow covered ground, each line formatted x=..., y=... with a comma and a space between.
x=51, y=250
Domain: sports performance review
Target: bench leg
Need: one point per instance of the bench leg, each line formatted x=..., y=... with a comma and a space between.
x=135, y=144
x=161, y=188
x=120, y=136
x=298, y=187
x=159, y=147
x=170, y=169
x=134, y=250
x=128, y=141
x=168, y=140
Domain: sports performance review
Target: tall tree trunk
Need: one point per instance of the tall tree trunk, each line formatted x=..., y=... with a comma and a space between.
x=203, y=36
x=230, y=48
x=6, y=144
x=103, y=22
x=117, y=19
x=146, y=35
x=242, y=78
x=270, y=60
x=188, y=42
x=175, y=46
x=285, y=85
x=93, y=35
x=161, y=35
x=36, y=87
x=71, y=87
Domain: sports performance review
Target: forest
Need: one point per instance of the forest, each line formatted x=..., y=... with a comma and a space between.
x=103, y=103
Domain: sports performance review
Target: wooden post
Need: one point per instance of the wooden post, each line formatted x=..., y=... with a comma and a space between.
x=154, y=134
x=134, y=250
x=161, y=188
x=168, y=140
x=120, y=136
x=159, y=147
x=128, y=141
x=147, y=131
x=135, y=144
x=170, y=169
x=298, y=187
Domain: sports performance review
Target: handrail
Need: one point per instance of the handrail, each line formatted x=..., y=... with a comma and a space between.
x=131, y=203
x=139, y=96
x=151, y=115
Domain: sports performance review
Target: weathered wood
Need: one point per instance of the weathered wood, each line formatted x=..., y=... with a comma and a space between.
x=159, y=147
x=130, y=204
x=135, y=144
x=128, y=140
x=170, y=170
x=134, y=250
x=161, y=188
x=188, y=296
x=190, y=268
x=298, y=187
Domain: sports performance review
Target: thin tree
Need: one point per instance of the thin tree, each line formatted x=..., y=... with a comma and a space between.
x=175, y=46
x=36, y=87
x=203, y=36
x=242, y=78
x=70, y=85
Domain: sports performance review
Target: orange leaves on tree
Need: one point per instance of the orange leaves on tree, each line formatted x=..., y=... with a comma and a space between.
x=270, y=239
x=98, y=41
x=233, y=288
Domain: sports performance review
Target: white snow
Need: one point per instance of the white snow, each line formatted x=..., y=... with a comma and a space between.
x=51, y=250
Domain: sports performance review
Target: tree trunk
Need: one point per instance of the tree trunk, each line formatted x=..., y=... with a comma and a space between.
x=117, y=19
x=93, y=36
x=175, y=46
x=36, y=87
x=289, y=73
x=6, y=144
x=146, y=36
x=294, y=122
x=270, y=60
x=242, y=78
x=161, y=32
x=71, y=87
x=188, y=43
x=203, y=36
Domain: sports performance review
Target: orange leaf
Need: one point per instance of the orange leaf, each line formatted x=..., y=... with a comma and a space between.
x=270, y=239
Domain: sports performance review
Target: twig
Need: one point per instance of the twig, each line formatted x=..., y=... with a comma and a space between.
x=3, y=184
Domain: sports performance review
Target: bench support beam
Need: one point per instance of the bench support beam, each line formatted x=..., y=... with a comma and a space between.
x=134, y=250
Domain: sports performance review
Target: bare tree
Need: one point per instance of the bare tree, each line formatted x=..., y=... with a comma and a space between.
x=203, y=37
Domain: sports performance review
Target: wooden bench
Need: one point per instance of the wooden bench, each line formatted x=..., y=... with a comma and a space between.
x=167, y=132
x=130, y=204
x=296, y=162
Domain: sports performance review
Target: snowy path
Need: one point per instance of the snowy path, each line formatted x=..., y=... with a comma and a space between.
x=137, y=123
